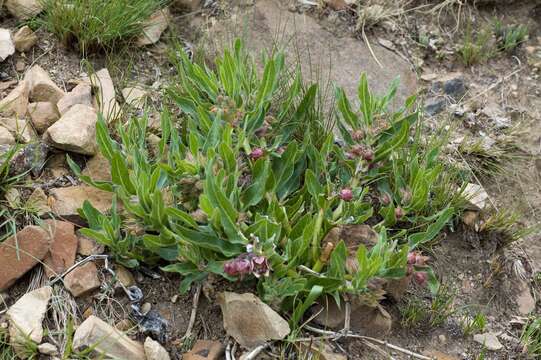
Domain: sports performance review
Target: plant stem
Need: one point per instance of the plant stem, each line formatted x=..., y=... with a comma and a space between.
x=315, y=237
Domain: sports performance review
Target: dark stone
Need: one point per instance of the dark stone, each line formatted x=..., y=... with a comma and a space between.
x=434, y=106
x=31, y=158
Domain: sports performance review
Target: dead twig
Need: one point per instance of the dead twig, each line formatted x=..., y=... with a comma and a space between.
x=253, y=354
x=194, y=312
x=82, y=262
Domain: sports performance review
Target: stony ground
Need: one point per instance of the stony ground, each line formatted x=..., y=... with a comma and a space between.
x=48, y=93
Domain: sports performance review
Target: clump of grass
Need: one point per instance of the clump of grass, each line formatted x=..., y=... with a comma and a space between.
x=476, y=48
x=531, y=337
x=96, y=25
x=472, y=324
x=413, y=312
x=442, y=306
x=511, y=36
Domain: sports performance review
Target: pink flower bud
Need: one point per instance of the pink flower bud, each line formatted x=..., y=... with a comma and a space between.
x=357, y=135
x=346, y=194
x=257, y=153
x=385, y=199
x=412, y=258
x=421, y=278
x=399, y=212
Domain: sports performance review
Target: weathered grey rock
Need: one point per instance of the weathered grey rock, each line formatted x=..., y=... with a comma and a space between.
x=47, y=349
x=16, y=101
x=434, y=106
x=75, y=131
x=43, y=115
x=7, y=48
x=489, y=340
x=250, y=321
x=42, y=88
x=31, y=158
x=451, y=84
x=135, y=96
x=154, y=351
x=65, y=201
x=24, y=39
x=81, y=94
x=154, y=27
x=105, y=98
x=82, y=280
x=20, y=253
x=267, y=21
x=26, y=317
x=24, y=9
x=106, y=340
x=5, y=137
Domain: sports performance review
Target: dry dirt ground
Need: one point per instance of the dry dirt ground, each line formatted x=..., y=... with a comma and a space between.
x=329, y=47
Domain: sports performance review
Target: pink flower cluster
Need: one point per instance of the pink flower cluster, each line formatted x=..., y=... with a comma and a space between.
x=247, y=263
x=415, y=259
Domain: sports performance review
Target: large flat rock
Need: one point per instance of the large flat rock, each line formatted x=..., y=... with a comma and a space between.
x=322, y=55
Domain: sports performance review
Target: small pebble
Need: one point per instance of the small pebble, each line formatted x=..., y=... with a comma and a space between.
x=174, y=299
x=145, y=308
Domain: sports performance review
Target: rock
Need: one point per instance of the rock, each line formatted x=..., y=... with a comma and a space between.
x=47, y=349
x=145, y=308
x=205, y=350
x=7, y=48
x=20, y=65
x=434, y=106
x=20, y=253
x=525, y=300
x=350, y=57
x=438, y=355
x=124, y=325
x=26, y=318
x=5, y=137
x=106, y=340
x=451, y=84
x=470, y=218
x=337, y=5
x=98, y=168
x=366, y=320
x=65, y=201
x=16, y=101
x=105, y=99
x=488, y=340
x=24, y=9
x=38, y=201
x=135, y=96
x=24, y=39
x=31, y=158
x=43, y=115
x=81, y=94
x=88, y=246
x=250, y=321
x=82, y=280
x=476, y=196
x=124, y=276
x=154, y=351
x=496, y=116
x=154, y=27
x=63, y=247
x=75, y=131
x=42, y=88
x=19, y=128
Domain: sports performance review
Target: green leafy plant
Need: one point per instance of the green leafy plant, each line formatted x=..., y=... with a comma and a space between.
x=412, y=312
x=95, y=25
x=531, y=337
x=511, y=36
x=248, y=180
x=442, y=306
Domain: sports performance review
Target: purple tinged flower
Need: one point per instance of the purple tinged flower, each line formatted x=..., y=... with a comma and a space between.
x=412, y=258
x=421, y=278
x=257, y=153
x=246, y=264
x=399, y=212
x=346, y=194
